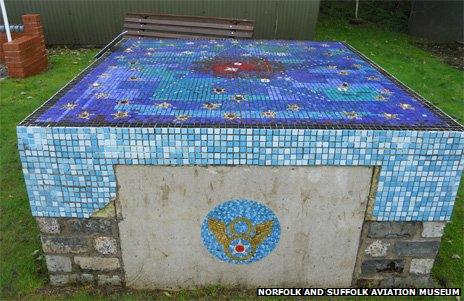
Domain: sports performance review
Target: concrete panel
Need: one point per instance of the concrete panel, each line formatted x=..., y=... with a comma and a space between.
x=320, y=209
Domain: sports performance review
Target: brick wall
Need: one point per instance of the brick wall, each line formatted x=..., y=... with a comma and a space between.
x=25, y=55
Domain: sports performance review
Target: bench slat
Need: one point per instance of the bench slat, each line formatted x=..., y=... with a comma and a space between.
x=191, y=24
x=191, y=18
x=183, y=29
x=167, y=35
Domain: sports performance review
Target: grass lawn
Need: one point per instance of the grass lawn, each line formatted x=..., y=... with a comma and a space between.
x=22, y=270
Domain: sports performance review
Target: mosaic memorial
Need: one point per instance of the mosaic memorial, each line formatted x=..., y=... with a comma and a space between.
x=254, y=156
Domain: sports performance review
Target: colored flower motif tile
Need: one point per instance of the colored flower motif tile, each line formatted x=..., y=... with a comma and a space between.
x=240, y=231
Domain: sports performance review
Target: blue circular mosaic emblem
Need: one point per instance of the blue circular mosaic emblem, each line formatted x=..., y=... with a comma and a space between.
x=240, y=231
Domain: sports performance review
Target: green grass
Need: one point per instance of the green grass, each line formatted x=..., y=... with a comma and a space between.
x=22, y=272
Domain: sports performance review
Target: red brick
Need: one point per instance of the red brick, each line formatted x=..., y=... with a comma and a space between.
x=25, y=63
x=31, y=70
x=38, y=28
x=34, y=32
x=24, y=54
x=14, y=74
x=21, y=43
x=24, y=60
x=31, y=18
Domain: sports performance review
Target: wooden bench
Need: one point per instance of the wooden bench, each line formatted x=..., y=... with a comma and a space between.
x=186, y=27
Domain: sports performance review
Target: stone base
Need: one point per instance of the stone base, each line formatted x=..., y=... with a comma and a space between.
x=397, y=254
x=391, y=254
x=82, y=250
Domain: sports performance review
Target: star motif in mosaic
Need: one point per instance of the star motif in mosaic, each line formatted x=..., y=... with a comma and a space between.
x=351, y=115
x=219, y=90
x=84, y=115
x=380, y=97
x=231, y=116
x=239, y=98
x=211, y=106
x=164, y=105
x=69, y=106
x=124, y=102
x=269, y=114
x=182, y=118
x=343, y=87
x=390, y=116
x=406, y=106
x=293, y=107
x=304, y=83
x=101, y=95
x=385, y=92
x=119, y=115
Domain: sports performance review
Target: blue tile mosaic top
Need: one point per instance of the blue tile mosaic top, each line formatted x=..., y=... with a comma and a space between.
x=231, y=102
x=151, y=82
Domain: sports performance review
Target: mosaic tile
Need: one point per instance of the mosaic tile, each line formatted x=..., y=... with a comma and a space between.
x=69, y=171
x=174, y=102
x=240, y=231
x=237, y=83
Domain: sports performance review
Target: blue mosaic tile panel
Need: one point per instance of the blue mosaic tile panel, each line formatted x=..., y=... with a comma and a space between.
x=69, y=171
x=240, y=231
x=230, y=82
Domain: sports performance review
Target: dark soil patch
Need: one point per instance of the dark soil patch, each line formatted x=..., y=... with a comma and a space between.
x=450, y=53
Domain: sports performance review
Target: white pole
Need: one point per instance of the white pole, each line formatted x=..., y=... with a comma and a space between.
x=355, y=12
x=5, y=20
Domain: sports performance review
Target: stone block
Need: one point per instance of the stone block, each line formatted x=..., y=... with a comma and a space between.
x=406, y=282
x=377, y=248
x=392, y=229
x=105, y=245
x=375, y=266
x=109, y=280
x=59, y=280
x=417, y=248
x=65, y=245
x=367, y=282
x=48, y=225
x=57, y=263
x=433, y=229
x=86, y=278
x=97, y=263
x=63, y=279
x=421, y=266
x=90, y=226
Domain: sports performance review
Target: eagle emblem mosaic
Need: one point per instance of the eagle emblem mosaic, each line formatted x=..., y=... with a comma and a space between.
x=240, y=231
